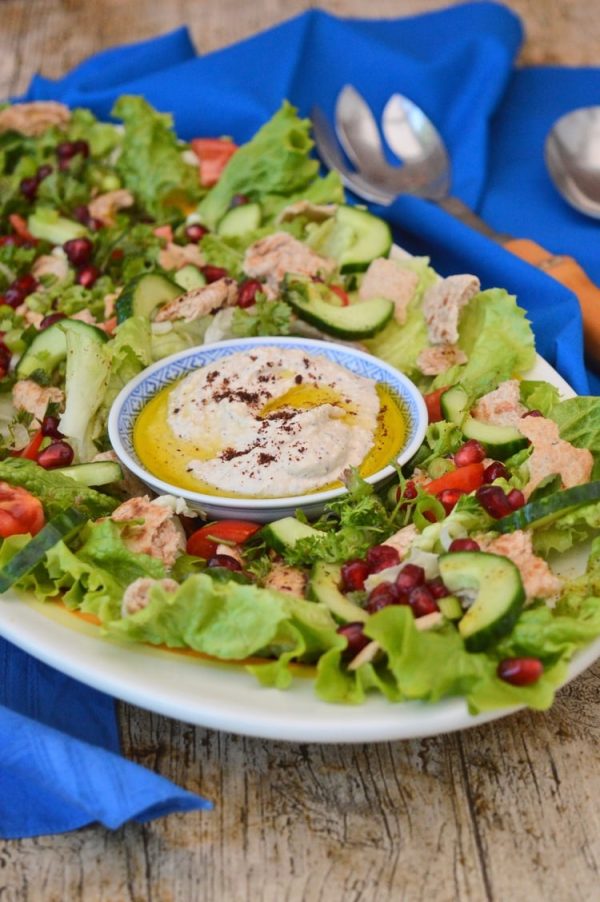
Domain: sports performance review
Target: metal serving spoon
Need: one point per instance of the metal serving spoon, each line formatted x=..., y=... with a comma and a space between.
x=426, y=173
x=572, y=154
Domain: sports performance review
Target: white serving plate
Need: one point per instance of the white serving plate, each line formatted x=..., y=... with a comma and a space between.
x=225, y=697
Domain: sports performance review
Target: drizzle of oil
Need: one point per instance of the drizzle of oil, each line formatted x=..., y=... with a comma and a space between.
x=167, y=456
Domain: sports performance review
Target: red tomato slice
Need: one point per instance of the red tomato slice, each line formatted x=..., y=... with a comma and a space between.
x=466, y=478
x=214, y=154
x=342, y=295
x=203, y=542
x=20, y=511
x=20, y=227
x=432, y=402
x=30, y=451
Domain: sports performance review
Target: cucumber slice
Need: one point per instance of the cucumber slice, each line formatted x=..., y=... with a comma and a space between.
x=500, y=595
x=240, y=220
x=60, y=528
x=144, y=294
x=189, y=277
x=47, y=225
x=372, y=238
x=356, y=321
x=49, y=347
x=284, y=533
x=500, y=442
x=323, y=587
x=455, y=405
x=450, y=607
x=539, y=513
x=100, y=472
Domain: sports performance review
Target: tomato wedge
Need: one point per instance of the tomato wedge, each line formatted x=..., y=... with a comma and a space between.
x=20, y=511
x=342, y=295
x=30, y=451
x=214, y=154
x=20, y=227
x=432, y=402
x=467, y=479
x=203, y=542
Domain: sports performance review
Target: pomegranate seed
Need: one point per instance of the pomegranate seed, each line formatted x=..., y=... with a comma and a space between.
x=50, y=319
x=26, y=284
x=10, y=240
x=409, y=493
x=13, y=297
x=224, y=560
x=239, y=200
x=472, y=452
x=516, y=499
x=464, y=545
x=87, y=275
x=81, y=147
x=422, y=601
x=117, y=254
x=50, y=427
x=81, y=214
x=437, y=588
x=28, y=188
x=354, y=574
x=66, y=150
x=382, y=596
x=94, y=225
x=495, y=470
x=78, y=250
x=493, y=501
x=355, y=637
x=532, y=413
x=4, y=362
x=58, y=454
x=195, y=232
x=410, y=577
x=43, y=172
x=449, y=498
x=214, y=273
x=247, y=292
x=379, y=557
x=520, y=671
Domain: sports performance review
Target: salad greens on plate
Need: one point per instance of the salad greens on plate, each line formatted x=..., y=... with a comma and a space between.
x=121, y=245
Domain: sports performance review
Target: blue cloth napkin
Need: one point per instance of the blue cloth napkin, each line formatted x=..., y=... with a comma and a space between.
x=64, y=769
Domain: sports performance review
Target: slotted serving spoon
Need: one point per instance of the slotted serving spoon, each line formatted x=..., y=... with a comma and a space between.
x=426, y=172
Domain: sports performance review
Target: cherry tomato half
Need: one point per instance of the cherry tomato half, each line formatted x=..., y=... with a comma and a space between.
x=432, y=402
x=30, y=451
x=342, y=295
x=214, y=154
x=203, y=542
x=467, y=479
x=20, y=511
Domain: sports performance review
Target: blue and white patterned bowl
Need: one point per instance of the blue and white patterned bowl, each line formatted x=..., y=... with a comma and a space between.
x=140, y=390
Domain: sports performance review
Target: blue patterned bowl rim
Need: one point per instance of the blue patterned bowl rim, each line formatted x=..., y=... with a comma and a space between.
x=136, y=394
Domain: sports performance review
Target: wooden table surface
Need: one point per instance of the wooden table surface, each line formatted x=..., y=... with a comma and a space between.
x=508, y=811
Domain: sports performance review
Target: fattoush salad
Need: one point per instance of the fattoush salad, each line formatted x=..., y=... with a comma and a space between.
x=120, y=245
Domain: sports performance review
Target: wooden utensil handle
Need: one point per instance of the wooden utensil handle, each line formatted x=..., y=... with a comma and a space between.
x=570, y=273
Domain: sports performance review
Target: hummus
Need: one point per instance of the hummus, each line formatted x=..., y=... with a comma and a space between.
x=268, y=422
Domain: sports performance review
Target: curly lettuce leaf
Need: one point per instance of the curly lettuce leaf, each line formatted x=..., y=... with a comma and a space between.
x=229, y=621
x=275, y=162
x=497, y=339
x=400, y=345
x=55, y=491
x=579, y=423
x=150, y=163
